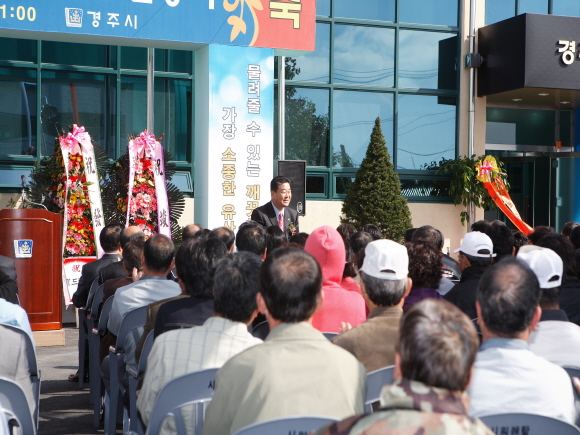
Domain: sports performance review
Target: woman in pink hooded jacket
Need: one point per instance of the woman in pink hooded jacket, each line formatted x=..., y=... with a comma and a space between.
x=340, y=305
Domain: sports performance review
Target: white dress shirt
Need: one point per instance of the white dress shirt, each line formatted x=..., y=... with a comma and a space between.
x=509, y=377
x=557, y=341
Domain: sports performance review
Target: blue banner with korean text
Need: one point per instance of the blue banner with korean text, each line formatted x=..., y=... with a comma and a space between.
x=285, y=24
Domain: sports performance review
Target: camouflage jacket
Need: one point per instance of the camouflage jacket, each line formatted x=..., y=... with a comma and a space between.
x=411, y=407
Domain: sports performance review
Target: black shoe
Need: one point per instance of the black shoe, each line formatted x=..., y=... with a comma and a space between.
x=75, y=377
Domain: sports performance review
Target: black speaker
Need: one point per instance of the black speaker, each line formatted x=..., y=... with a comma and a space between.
x=295, y=171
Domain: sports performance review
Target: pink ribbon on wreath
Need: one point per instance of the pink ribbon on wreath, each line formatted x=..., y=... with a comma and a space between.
x=76, y=139
x=144, y=145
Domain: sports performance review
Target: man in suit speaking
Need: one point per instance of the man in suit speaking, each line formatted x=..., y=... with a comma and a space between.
x=276, y=212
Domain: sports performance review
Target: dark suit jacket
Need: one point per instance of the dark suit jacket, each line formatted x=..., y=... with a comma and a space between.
x=7, y=266
x=89, y=274
x=182, y=313
x=8, y=288
x=266, y=216
x=110, y=271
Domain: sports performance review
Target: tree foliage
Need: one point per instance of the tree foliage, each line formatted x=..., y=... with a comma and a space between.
x=375, y=195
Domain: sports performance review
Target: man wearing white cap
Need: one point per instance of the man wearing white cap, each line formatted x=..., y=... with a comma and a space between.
x=556, y=338
x=475, y=256
x=384, y=286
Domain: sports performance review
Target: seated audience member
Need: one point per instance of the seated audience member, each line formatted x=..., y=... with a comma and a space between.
x=110, y=242
x=116, y=269
x=502, y=238
x=189, y=231
x=575, y=239
x=132, y=254
x=450, y=273
x=555, y=338
x=475, y=255
x=297, y=371
x=568, y=227
x=359, y=242
x=8, y=267
x=8, y=288
x=436, y=348
x=12, y=314
x=210, y=345
x=251, y=237
x=340, y=305
x=299, y=239
x=539, y=233
x=520, y=239
x=482, y=226
x=195, y=269
x=275, y=238
x=373, y=230
x=384, y=285
x=349, y=272
x=570, y=288
x=158, y=253
x=424, y=271
x=225, y=235
x=508, y=376
x=409, y=234
x=14, y=363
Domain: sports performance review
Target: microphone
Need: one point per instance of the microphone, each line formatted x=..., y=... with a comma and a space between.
x=23, y=178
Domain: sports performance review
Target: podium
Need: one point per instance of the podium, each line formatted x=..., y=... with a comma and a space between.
x=39, y=277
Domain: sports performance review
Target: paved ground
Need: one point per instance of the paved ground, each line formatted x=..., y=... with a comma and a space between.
x=64, y=409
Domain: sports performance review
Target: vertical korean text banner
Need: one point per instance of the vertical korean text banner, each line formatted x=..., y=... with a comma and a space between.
x=241, y=134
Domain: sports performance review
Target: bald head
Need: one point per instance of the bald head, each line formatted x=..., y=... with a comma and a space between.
x=131, y=233
x=508, y=295
x=189, y=231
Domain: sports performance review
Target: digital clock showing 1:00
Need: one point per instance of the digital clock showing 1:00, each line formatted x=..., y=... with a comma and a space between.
x=22, y=13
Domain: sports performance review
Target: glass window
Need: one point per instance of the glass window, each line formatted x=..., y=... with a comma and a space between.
x=172, y=112
x=306, y=121
x=133, y=108
x=314, y=66
x=172, y=61
x=427, y=60
x=18, y=49
x=499, y=10
x=533, y=6
x=134, y=58
x=68, y=53
x=354, y=115
x=315, y=184
x=570, y=8
x=426, y=130
x=440, y=12
x=82, y=99
x=323, y=8
x=343, y=184
x=383, y=10
x=364, y=55
x=18, y=112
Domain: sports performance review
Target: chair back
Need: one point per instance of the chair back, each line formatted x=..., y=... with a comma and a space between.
x=531, y=424
x=104, y=318
x=197, y=387
x=97, y=301
x=132, y=320
x=573, y=372
x=286, y=425
x=375, y=382
x=147, y=346
x=261, y=330
x=92, y=291
x=329, y=335
x=32, y=366
x=13, y=399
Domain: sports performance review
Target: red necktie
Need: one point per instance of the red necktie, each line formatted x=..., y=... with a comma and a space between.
x=281, y=221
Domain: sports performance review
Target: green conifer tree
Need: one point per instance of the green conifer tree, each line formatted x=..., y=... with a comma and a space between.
x=375, y=195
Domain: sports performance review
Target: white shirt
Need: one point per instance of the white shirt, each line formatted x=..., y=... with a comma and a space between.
x=508, y=377
x=558, y=342
x=176, y=353
x=148, y=289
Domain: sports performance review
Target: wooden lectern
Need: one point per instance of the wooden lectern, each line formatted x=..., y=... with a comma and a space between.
x=39, y=277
